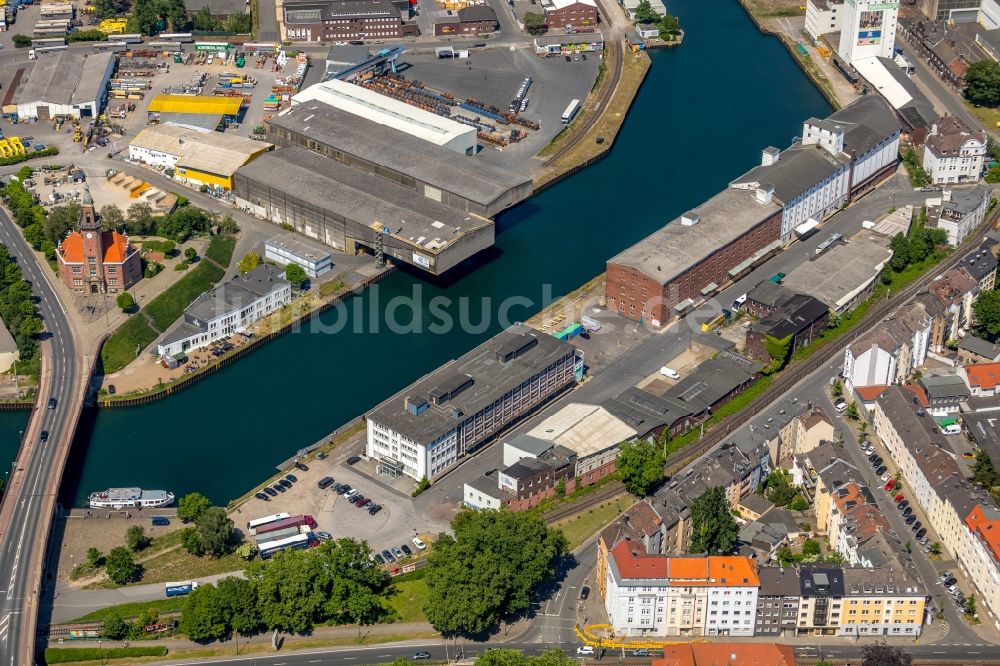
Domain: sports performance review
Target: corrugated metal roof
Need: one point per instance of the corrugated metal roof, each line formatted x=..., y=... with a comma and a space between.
x=211, y=152
x=229, y=106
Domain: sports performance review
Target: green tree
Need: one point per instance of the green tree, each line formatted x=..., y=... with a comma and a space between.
x=48, y=249
x=296, y=274
x=534, y=22
x=993, y=175
x=880, y=654
x=35, y=234
x=852, y=411
x=810, y=548
x=640, y=466
x=986, y=314
x=982, y=83
x=561, y=488
x=983, y=471
x=112, y=218
x=935, y=549
x=22, y=41
x=778, y=488
x=113, y=626
x=799, y=503
x=900, y=247
x=136, y=539
x=203, y=617
x=487, y=570
x=31, y=325
x=106, y=8
x=145, y=15
x=227, y=225
x=715, y=530
x=190, y=254
x=192, y=506
x=190, y=540
x=215, y=530
x=238, y=597
x=203, y=20
x=139, y=220
x=120, y=566
x=250, y=261
x=669, y=27
x=175, y=13
x=644, y=13
x=60, y=221
x=837, y=389
x=94, y=557
x=970, y=606
x=125, y=301
x=239, y=23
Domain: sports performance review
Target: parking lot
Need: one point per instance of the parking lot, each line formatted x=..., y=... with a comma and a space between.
x=396, y=523
x=493, y=76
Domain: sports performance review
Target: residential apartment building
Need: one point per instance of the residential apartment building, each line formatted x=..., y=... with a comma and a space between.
x=981, y=557
x=821, y=600
x=961, y=211
x=801, y=318
x=881, y=602
x=889, y=353
x=229, y=308
x=981, y=378
x=436, y=422
x=660, y=595
x=953, y=153
x=777, y=601
x=641, y=524
x=945, y=394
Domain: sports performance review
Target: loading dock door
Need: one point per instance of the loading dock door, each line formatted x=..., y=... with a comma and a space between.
x=42, y=111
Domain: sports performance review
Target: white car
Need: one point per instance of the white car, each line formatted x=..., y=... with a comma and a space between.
x=418, y=543
x=840, y=406
x=885, y=477
x=669, y=372
x=585, y=649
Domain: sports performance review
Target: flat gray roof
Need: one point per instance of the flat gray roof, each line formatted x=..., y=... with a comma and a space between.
x=238, y=292
x=798, y=168
x=439, y=167
x=357, y=196
x=473, y=381
x=842, y=270
x=66, y=77
x=312, y=252
x=669, y=252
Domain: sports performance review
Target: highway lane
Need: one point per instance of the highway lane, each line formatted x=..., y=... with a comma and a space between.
x=35, y=480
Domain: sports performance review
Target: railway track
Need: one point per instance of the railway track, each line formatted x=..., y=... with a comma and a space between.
x=785, y=380
x=613, y=53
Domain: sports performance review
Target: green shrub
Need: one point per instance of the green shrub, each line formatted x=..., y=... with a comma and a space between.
x=71, y=655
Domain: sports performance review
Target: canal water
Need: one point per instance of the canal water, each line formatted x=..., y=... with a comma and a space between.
x=701, y=119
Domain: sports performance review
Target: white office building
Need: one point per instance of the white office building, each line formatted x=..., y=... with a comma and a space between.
x=288, y=249
x=823, y=17
x=868, y=29
x=436, y=422
x=953, y=153
x=227, y=309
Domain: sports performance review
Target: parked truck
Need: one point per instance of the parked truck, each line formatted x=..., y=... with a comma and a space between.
x=293, y=521
x=180, y=589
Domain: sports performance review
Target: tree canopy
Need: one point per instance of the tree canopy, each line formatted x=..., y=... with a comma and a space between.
x=120, y=566
x=880, y=654
x=986, y=312
x=60, y=221
x=644, y=13
x=215, y=531
x=510, y=657
x=534, y=22
x=250, y=261
x=191, y=506
x=982, y=83
x=486, y=572
x=715, y=530
x=640, y=465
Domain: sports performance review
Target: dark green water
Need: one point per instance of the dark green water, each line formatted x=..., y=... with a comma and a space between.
x=702, y=117
x=11, y=425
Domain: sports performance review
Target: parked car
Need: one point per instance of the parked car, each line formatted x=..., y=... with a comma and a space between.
x=292, y=478
x=889, y=486
x=877, y=461
x=325, y=482
x=921, y=535
x=900, y=497
x=270, y=491
x=885, y=477
x=348, y=490
x=418, y=656
x=641, y=652
x=907, y=511
x=360, y=500
x=881, y=470
x=406, y=549
x=389, y=557
x=872, y=457
x=584, y=592
x=585, y=649
x=323, y=536
x=903, y=504
x=285, y=483
x=379, y=559
x=368, y=504
x=870, y=449
x=353, y=459
x=375, y=509
x=280, y=488
x=418, y=543
x=910, y=519
x=262, y=496
x=916, y=526
x=397, y=552
x=840, y=405
x=301, y=466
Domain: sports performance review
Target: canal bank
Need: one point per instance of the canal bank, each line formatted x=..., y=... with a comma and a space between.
x=684, y=141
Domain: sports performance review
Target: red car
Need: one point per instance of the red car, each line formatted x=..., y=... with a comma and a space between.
x=889, y=486
x=360, y=501
x=899, y=497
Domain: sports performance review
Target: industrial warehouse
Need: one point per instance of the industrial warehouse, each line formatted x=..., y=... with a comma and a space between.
x=327, y=156
x=197, y=157
x=63, y=84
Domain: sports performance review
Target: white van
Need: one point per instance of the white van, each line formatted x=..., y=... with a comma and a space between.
x=953, y=429
x=669, y=372
x=738, y=303
x=840, y=406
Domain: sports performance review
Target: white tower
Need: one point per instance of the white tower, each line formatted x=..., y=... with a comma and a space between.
x=868, y=29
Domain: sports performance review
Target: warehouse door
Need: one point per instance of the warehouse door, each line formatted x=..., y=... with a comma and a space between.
x=43, y=112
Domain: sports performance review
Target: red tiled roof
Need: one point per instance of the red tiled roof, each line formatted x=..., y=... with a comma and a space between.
x=988, y=530
x=983, y=375
x=115, y=247
x=869, y=393
x=634, y=563
x=727, y=654
x=919, y=392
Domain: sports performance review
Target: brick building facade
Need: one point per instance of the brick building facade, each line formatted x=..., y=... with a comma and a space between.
x=97, y=262
x=573, y=13
x=342, y=20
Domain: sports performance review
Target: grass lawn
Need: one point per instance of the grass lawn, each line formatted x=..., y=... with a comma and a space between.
x=74, y=655
x=166, y=605
x=178, y=564
x=168, y=306
x=298, y=643
x=220, y=249
x=119, y=349
x=989, y=116
x=408, y=600
x=581, y=527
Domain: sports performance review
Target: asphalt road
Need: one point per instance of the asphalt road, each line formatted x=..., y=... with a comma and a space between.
x=37, y=478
